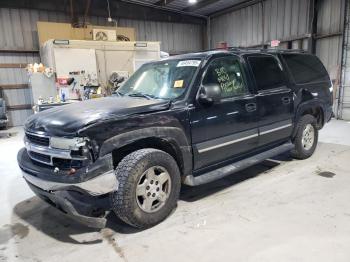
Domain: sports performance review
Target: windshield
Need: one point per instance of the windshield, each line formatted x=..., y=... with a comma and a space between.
x=166, y=80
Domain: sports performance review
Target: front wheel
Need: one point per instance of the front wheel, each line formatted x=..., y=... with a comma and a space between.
x=149, y=187
x=306, y=137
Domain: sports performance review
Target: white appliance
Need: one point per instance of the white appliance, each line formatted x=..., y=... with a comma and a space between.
x=96, y=59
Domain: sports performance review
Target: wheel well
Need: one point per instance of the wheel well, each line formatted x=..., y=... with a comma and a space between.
x=165, y=145
x=317, y=112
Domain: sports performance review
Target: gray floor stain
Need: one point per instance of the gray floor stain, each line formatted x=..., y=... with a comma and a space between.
x=9, y=231
x=326, y=174
x=108, y=235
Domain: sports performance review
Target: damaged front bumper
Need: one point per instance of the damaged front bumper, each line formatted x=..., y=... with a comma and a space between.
x=85, y=197
x=100, y=185
x=90, y=213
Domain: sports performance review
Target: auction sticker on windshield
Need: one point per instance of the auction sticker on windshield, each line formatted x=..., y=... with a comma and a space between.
x=194, y=63
x=178, y=84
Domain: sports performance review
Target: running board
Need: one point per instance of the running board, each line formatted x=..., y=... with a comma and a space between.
x=190, y=180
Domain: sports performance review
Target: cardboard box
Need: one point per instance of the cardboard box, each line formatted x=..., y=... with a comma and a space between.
x=48, y=30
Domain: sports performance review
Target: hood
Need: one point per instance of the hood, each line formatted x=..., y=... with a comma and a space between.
x=68, y=119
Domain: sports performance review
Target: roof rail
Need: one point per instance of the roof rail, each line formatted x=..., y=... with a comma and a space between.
x=256, y=49
x=233, y=48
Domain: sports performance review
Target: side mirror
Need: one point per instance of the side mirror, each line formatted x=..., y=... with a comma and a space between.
x=209, y=94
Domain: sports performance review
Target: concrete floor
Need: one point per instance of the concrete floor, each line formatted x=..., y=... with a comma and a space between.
x=283, y=210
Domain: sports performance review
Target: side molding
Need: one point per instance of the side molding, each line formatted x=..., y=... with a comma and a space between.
x=190, y=180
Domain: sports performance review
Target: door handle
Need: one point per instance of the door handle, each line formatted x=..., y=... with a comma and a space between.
x=251, y=107
x=285, y=100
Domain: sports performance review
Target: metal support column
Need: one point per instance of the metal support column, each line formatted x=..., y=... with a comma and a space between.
x=343, y=109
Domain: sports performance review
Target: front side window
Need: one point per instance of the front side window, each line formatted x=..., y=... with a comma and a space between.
x=267, y=72
x=227, y=73
x=166, y=79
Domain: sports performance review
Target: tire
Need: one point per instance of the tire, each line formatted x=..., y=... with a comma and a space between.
x=132, y=176
x=304, y=150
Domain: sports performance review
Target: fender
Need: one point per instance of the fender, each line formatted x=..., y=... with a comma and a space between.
x=302, y=107
x=174, y=135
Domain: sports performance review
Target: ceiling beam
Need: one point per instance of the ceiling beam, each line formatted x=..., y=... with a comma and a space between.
x=238, y=6
x=199, y=5
x=131, y=9
x=164, y=2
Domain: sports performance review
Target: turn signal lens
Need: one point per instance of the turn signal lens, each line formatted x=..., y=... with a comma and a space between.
x=72, y=171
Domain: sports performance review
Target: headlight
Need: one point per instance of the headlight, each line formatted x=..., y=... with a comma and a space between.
x=67, y=143
x=331, y=89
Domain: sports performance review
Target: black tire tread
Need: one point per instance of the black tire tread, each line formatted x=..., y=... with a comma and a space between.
x=298, y=151
x=121, y=200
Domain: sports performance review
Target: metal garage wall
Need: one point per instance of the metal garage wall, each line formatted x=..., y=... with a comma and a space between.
x=175, y=38
x=283, y=19
x=330, y=22
x=344, y=103
x=18, y=31
x=287, y=20
x=239, y=28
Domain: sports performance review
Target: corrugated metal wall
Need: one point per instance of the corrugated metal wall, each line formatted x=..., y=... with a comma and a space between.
x=330, y=21
x=286, y=20
x=18, y=30
x=344, y=103
x=281, y=19
x=239, y=28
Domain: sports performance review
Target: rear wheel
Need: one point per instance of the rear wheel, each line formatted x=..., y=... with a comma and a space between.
x=306, y=137
x=149, y=186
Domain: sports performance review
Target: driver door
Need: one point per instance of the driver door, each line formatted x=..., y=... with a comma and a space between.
x=228, y=128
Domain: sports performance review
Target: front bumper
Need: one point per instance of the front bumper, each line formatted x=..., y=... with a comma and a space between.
x=103, y=184
x=81, y=196
x=89, y=212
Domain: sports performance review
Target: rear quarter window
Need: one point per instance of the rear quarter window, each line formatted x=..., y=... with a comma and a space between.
x=306, y=68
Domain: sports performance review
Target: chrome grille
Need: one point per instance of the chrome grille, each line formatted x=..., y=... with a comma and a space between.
x=40, y=157
x=38, y=139
x=39, y=150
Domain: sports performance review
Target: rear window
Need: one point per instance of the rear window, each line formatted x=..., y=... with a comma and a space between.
x=306, y=68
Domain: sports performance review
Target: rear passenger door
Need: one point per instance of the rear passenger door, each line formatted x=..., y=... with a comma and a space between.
x=274, y=98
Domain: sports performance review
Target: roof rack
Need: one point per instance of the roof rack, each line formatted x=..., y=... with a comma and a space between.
x=256, y=49
x=268, y=50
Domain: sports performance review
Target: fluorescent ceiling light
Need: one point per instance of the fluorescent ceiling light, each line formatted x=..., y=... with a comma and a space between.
x=192, y=1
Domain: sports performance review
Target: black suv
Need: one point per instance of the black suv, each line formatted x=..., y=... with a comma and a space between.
x=188, y=119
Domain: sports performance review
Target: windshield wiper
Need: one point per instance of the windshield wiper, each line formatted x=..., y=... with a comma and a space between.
x=118, y=93
x=142, y=95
